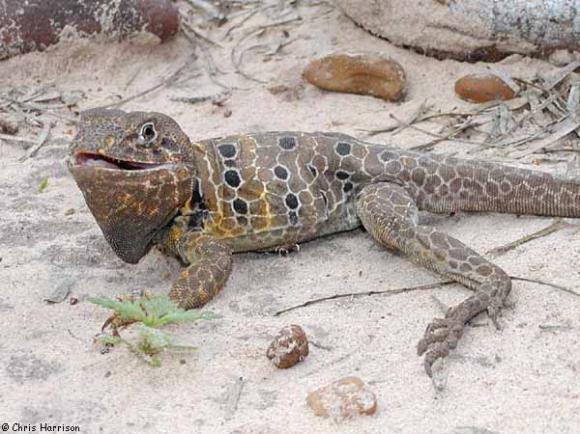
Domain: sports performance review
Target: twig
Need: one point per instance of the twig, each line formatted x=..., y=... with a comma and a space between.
x=551, y=150
x=553, y=227
x=564, y=128
x=40, y=142
x=418, y=113
x=365, y=293
x=165, y=82
x=234, y=397
x=439, y=137
x=237, y=62
x=542, y=282
x=188, y=27
x=241, y=23
x=410, y=289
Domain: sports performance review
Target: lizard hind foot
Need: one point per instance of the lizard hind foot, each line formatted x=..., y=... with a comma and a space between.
x=441, y=336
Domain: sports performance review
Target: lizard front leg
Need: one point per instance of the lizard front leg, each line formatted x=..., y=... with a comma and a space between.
x=209, y=264
x=389, y=214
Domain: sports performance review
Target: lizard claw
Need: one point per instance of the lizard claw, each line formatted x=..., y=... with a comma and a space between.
x=441, y=336
x=494, y=311
x=115, y=321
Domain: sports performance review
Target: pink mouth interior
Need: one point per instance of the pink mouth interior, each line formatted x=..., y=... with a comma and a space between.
x=98, y=160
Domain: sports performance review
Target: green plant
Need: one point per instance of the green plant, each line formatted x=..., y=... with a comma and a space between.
x=152, y=312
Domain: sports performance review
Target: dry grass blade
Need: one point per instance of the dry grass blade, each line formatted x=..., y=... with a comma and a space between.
x=171, y=79
x=560, y=131
x=9, y=137
x=40, y=142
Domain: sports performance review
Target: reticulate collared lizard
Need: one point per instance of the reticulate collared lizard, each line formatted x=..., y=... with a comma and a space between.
x=147, y=184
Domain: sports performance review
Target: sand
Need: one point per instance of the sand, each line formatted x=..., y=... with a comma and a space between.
x=524, y=379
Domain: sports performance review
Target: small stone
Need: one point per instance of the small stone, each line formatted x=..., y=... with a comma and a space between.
x=73, y=300
x=69, y=211
x=289, y=347
x=360, y=74
x=343, y=399
x=8, y=125
x=483, y=88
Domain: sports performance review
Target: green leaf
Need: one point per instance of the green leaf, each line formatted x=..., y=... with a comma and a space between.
x=127, y=310
x=109, y=340
x=42, y=185
x=153, y=312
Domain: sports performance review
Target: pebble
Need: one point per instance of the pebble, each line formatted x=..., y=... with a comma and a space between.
x=483, y=88
x=343, y=399
x=289, y=347
x=361, y=74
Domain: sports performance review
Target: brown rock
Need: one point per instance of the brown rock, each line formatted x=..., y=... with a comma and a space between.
x=483, y=88
x=360, y=74
x=343, y=399
x=289, y=347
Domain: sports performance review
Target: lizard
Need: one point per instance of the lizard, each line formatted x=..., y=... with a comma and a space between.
x=146, y=183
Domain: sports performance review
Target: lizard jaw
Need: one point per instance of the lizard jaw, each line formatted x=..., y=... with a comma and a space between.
x=96, y=160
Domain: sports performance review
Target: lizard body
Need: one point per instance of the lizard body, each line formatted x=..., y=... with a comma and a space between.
x=147, y=184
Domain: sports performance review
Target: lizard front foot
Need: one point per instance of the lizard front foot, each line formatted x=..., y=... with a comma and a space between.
x=116, y=321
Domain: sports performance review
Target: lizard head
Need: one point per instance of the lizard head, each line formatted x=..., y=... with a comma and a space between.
x=135, y=172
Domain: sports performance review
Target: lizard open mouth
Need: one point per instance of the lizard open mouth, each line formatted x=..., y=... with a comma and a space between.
x=90, y=159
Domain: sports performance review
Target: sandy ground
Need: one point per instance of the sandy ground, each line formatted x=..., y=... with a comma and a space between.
x=524, y=379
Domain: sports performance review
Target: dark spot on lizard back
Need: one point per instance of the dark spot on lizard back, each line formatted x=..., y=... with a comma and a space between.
x=292, y=201
x=343, y=148
x=287, y=142
x=232, y=178
x=293, y=217
x=388, y=155
x=240, y=206
x=227, y=150
x=281, y=172
x=342, y=175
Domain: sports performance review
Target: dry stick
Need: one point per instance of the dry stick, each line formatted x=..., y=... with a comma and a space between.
x=237, y=63
x=241, y=23
x=553, y=227
x=190, y=28
x=418, y=113
x=543, y=282
x=439, y=137
x=564, y=128
x=548, y=151
x=165, y=82
x=390, y=292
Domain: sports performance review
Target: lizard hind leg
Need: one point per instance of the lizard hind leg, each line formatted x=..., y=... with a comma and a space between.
x=389, y=214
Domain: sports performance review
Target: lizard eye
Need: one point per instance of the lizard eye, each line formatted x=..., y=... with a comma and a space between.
x=147, y=134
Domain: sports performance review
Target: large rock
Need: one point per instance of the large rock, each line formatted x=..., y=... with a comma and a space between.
x=471, y=29
x=35, y=24
x=343, y=399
